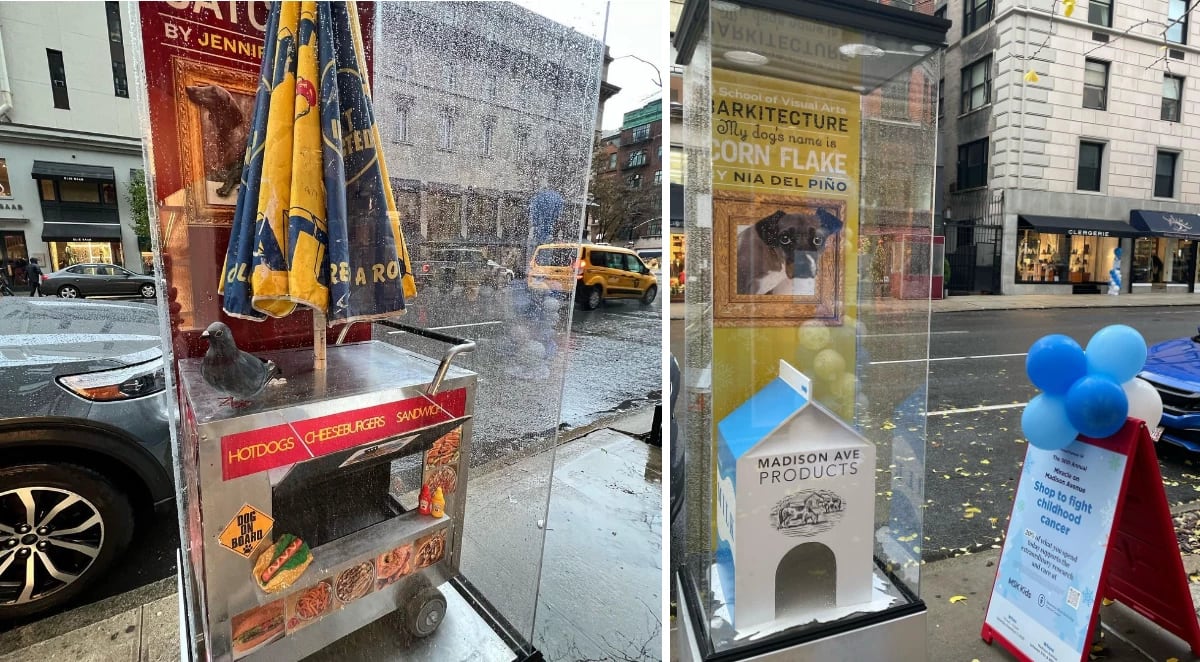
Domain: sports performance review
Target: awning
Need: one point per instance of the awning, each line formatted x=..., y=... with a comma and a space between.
x=1087, y=227
x=1166, y=224
x=81, y=232
x=72, y=171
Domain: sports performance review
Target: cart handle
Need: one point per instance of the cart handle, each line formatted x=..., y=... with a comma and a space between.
x=457, y=346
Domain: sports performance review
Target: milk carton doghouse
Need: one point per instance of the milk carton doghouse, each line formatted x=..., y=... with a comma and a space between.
x=796, y=507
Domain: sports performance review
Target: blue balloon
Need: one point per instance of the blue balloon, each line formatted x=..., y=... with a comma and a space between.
x=1116, y=351
x=1097, y=406
x=1054, y=363
x=1045, y=423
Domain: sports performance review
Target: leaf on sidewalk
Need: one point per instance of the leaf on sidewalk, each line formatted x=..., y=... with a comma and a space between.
x=957, y=599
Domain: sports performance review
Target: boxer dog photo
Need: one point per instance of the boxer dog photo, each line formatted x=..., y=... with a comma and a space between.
x=782, y=247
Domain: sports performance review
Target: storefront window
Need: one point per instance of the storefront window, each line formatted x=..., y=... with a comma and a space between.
x=65, y=253
x=79, y=191
x=5, y=186
x=1091, y=258
x=46, y=187
x=1042, y=257
x=1159, y=260
x=14, y=255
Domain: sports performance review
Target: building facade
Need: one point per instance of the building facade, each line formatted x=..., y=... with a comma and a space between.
x=69, y=136
x=508, y=116
x=1049, y=175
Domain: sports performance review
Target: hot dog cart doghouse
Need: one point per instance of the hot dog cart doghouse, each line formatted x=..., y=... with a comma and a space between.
x=327, y=461
x=313, y=460
x=810, y=154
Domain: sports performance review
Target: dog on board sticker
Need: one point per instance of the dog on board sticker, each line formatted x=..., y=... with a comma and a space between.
x=227, y=127
x=781, y=247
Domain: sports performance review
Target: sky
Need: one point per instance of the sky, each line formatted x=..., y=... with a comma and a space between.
x=635, y=27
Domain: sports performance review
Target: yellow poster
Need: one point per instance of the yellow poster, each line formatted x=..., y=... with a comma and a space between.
x=785, y=160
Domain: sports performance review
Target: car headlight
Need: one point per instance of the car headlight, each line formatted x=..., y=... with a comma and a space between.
x=135, y=381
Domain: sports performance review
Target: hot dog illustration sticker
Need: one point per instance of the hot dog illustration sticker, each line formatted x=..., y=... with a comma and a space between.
x=246, y=531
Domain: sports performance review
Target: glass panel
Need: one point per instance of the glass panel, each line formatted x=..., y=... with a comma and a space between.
x=1164, y=175
x=1181, y=254
x=1100, y=12
x=1090, y=160
x=784, y=385
x=46, y=188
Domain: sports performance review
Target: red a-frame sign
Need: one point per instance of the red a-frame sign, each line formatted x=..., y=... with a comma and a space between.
x=1141, y=568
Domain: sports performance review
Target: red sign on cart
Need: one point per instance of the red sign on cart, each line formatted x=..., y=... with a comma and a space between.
x=255, y=451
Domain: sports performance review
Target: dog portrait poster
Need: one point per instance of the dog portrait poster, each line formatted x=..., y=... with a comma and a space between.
x=779, y=259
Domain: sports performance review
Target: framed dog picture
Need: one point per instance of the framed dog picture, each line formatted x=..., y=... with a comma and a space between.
x=213, y=107
x=778, y=259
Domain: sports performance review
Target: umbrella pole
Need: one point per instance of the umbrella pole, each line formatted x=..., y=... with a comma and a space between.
x=319, y=340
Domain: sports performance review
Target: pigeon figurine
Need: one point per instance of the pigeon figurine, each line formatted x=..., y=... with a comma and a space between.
x=229, y=369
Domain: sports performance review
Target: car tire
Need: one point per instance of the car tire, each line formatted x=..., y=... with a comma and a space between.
x=147, y=291
x=69, y=292
x=591, y=297
x=649, y=295
x=49, y=485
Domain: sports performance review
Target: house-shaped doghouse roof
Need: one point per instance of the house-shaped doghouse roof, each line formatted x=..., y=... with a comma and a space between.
x=767, y=411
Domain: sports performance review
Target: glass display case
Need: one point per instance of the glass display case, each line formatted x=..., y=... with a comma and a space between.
x=346, y=196
x=809, y=133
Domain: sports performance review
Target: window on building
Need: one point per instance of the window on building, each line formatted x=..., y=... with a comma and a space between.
x=976, y=85
x=641, y=133
x=895, y=98
x=940, y=12
x=636, y=159
x=116, y=48
x=973, y=164
x=612, y=161
x=58, y=79
x=1095, y=85
x=1164, y=174
x=489, y=130
x=521, y=148
x=1177, y=21
x=86, y=192
x=1171, y=97
x=400, y=125
x=1100, y=12
x=976, y=14
x=635, y=181
x=446, y=131
x=46, y=190
x=1091, y=159
x=491, y=86
x=657, y=177
x=5, y=185
x=941, y=107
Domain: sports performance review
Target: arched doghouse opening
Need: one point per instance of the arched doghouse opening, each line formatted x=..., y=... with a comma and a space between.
x=805, y=580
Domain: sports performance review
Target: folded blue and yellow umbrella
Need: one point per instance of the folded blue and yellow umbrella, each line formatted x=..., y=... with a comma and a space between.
x=315, y=223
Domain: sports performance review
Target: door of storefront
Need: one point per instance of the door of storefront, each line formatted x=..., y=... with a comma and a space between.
x=1165, y=259
x=14, y=254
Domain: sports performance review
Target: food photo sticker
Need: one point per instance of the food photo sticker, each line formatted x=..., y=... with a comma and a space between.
x=445, y=449
x=257, y=627
x=392, y=566
x=309, y=605
x=430, y=549
x=355, y=582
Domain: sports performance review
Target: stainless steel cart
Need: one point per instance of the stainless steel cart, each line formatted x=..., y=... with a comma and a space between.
x=312, y=457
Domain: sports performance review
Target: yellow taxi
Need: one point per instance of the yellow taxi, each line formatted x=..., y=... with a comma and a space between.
x=595, y=271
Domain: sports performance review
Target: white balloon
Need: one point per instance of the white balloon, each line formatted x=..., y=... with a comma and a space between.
x=1144, y=401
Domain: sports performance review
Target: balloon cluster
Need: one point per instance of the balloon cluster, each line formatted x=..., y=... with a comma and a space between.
x=1089, y=393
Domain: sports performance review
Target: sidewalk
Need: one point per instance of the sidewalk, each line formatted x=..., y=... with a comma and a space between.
x=603, y=532
x=1038, y=301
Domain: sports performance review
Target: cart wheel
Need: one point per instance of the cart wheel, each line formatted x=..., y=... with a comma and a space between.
x=425, y=612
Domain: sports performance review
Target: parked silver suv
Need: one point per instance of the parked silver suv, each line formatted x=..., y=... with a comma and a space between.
x=84, y=442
